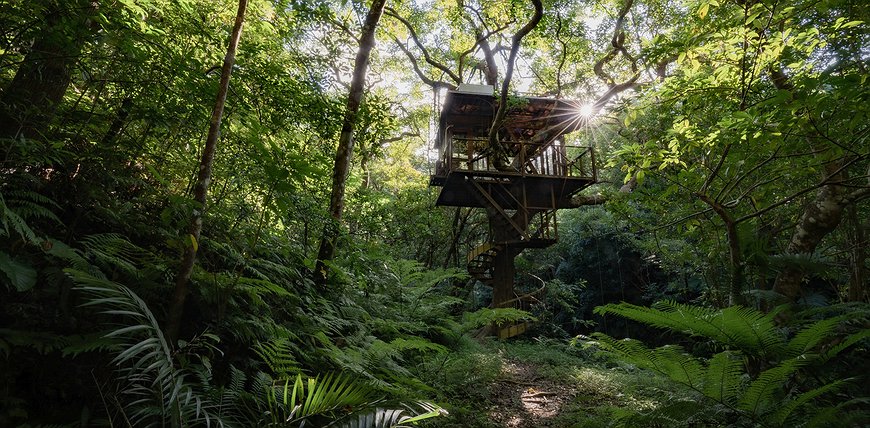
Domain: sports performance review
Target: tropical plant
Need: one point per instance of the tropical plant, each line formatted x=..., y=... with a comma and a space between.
x=153, y=388
x=761, y=376
x=341, y=401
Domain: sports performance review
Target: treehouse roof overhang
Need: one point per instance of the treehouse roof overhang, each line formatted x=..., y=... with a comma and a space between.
x=532, y=168
x=470, y=109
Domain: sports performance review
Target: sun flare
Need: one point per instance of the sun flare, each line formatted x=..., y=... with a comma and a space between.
x=587, y=110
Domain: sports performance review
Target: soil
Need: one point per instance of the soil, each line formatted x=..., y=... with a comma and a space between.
x=521, y=398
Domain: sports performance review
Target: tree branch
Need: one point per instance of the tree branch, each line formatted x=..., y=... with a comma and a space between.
x=416, y=67
x=413, y=34
x=505, y=86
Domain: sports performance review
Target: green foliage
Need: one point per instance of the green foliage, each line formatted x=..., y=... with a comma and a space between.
x=495, y=316
x=338, y=400
x=759, y=377
x=153, y=389
x=736, y=327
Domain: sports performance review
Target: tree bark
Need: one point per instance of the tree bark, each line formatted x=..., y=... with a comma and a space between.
x=500, y=114
x=858, y=238
x=819, y=219
x=179, y=295
x=735, y=255
x=346, y=141
x=28, y=104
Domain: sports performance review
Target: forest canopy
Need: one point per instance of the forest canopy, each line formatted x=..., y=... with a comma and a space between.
x=228, y=212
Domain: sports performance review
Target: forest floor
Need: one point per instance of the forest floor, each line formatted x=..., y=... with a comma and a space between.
x=522, y=398
x=528, y=384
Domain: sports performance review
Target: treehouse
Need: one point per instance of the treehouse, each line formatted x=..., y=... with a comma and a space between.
x=520, y=180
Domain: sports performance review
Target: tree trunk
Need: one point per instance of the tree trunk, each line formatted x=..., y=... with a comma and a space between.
x=176, y=308
x=28, y=104
x=500, y=114
x=345, y=142
x=858, y=238
x=819, y=219
x=735, y=255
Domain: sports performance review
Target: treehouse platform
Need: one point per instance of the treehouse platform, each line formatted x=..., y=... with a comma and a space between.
x=530, y=167
x=520, y=177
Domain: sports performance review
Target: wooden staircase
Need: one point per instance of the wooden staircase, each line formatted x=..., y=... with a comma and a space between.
x=481, y=260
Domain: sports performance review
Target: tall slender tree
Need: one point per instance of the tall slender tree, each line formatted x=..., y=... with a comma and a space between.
x=346, y=140
x=179, y=295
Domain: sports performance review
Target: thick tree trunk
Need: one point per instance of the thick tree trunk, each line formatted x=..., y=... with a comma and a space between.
x=29, y=103
x=503, y=232
x=819, y=219
x=823, y=215
x=346, y=140
x=179, y=295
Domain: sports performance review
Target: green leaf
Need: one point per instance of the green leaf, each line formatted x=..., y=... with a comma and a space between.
x=22, y=276
x=702, y=11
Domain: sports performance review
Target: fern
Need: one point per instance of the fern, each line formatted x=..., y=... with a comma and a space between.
x=757, y=399
x=780, y=416
x=20, y=275
x=497, y=316
x=19, y=206
x=278, y=356
x=737, y=327
x=768, y=397
x=723, y=379
x=114, y=251
x=807, y=339
x=152, y=387
x=670, y=360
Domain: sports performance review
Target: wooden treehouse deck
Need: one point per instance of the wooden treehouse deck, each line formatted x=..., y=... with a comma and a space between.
x=521, y=180
x=530, y=167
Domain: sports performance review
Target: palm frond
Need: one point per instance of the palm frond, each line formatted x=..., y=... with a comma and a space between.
x=153, y=388
x=383, y=417
x=300, y=399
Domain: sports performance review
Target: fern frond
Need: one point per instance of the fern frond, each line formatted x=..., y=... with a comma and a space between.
x=758, y=397
x=116, y=251
x=278, y=356
x=22, y=276
x=807, y=339
x=847, y=342
x=417, y=344
x=724, y=378
x=669, y=414
x=17, y=206
x=497, y=316
x=737, y=327
x=784, y=412
x=12, y=219
x=668, y=360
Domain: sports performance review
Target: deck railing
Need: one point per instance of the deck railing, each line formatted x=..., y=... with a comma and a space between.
x=524, y=158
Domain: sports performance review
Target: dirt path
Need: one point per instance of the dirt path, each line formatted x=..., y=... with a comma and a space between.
x=521, y=398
